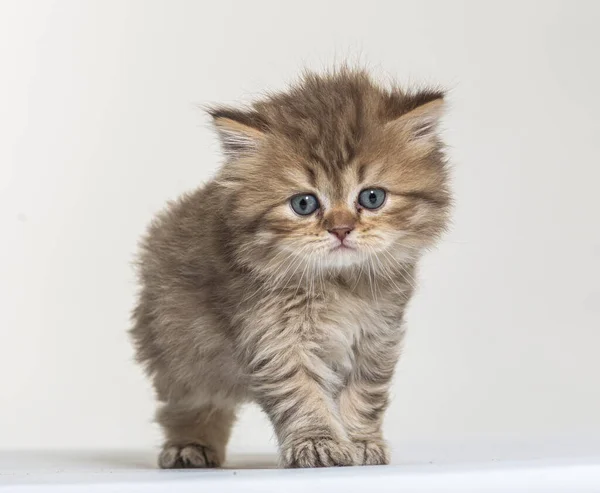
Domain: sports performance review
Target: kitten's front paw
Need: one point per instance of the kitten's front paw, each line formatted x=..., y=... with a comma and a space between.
x=317, y=452
x=192, y=455
x=372, y=453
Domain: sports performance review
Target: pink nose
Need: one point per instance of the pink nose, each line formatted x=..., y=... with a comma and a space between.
x=341, y=232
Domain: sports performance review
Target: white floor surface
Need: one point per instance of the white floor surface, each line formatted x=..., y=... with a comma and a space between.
x=106, y=471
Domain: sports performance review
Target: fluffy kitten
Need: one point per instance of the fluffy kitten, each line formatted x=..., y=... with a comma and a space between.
x=284, y=280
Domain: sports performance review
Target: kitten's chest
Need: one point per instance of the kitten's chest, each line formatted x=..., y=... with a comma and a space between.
x=340, y=324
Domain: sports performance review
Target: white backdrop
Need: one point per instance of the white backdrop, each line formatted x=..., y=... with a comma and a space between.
x=99, y=126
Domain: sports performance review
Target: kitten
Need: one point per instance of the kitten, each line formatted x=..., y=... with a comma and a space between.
x=284, y=280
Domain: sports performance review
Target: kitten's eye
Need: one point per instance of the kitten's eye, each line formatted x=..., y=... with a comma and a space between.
x=371, y=198
x=304, y=204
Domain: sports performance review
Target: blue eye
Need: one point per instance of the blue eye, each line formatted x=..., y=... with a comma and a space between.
x=371, y=198
x=304, y=204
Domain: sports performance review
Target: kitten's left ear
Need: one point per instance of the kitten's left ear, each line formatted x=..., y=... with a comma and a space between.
x=419, y=124
x=240, y=131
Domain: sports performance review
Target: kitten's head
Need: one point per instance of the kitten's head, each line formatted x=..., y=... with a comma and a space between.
x=336, y=173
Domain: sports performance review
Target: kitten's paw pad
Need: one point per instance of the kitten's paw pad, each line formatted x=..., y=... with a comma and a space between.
x=187, y=456
x=317, y=452
x=372, y=453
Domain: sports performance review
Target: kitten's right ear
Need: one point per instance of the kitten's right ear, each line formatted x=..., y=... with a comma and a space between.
x=240, y=132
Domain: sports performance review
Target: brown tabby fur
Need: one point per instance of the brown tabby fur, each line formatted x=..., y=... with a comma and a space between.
x=244, y=300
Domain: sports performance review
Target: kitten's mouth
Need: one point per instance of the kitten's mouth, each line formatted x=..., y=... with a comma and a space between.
x=342, y=247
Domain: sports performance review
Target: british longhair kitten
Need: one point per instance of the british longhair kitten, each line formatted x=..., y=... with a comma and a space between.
x=284, y=280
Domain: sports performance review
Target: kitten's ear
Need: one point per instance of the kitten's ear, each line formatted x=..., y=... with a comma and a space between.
x=240, y=132
x=419, y=124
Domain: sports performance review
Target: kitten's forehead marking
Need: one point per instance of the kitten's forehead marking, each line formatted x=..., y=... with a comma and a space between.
x=370, y=174
x=351, y=186
x=336, y=187
x=304, y=178
x=339, y=189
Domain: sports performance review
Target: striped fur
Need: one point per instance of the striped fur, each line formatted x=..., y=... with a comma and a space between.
x=243, y=300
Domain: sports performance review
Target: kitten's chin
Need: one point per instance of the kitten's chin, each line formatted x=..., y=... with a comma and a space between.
x=342, y=257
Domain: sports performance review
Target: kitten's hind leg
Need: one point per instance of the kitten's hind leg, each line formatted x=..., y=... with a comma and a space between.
x=194, y=437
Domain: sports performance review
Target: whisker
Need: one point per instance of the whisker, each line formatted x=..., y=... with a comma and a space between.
x=372, y=282
x=401, y=270
x=389, y=277
x=361, y=254
x=321, y=275
x=297, y=256
x=297, y=263
x=302, y=276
